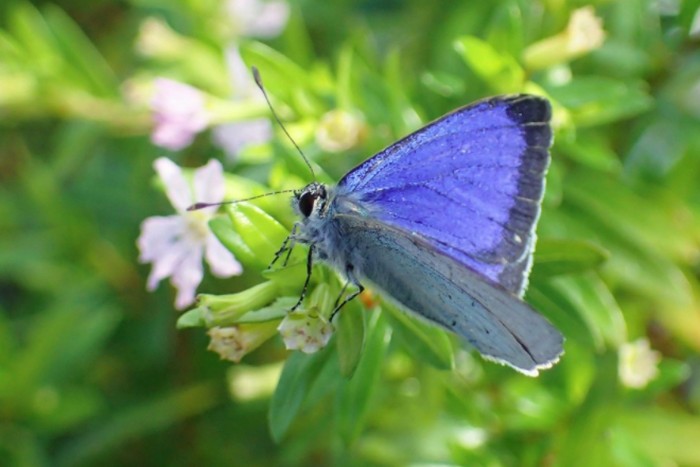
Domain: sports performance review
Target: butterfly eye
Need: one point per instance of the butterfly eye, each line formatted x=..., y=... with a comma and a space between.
x=306, y=203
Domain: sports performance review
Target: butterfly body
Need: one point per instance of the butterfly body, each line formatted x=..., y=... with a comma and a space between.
x=442, y=222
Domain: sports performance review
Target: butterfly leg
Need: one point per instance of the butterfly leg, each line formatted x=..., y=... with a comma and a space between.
x=309, y=265
x=340, y=295
x=351, y=279
x=287, y=246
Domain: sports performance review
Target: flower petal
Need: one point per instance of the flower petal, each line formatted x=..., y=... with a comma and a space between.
x=209, y=184
x=178, y=113
x=176, y=187
x=171, y=137
x=233, y=137
x=157, y=233
x=188, y=275
x=167, y=262
x=258, y=18
x=242, y=83
x=305, y=331
x=221, y=261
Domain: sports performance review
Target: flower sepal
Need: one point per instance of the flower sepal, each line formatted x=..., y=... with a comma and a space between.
x=235, y=342
x=251, y=234
x=224, y=310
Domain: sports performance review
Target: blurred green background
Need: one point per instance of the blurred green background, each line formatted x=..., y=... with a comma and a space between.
x=92, y=368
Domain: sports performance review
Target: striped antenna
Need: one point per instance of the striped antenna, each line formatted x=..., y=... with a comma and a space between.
x=258, y=81
x=197, y=206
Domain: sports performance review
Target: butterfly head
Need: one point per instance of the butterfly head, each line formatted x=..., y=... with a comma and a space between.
x=311, y=199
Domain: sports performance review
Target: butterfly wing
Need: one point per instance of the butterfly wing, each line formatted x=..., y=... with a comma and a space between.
x=441, y=290
x=470, y=184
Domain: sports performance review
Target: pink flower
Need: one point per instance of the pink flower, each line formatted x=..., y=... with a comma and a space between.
x=256, y=18
x=176, y=244
x=178, y=114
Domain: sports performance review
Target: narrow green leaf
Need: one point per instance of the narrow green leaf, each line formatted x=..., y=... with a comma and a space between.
x=665, y=435
x=39, y=362
x=191, y=319
x=300, y=371
x=250, y=234
x=34, y=36
x=279, y=73
x=423, y=341
x=596, y=100
x=354, y=396
x=79, y=51
x=277, y=310
x=117, y=428
x=499, y=70
x=223, y=228
x=559, y=256
x=552, y=301
x=592, y=300
x=262, y=234
x=350, y=337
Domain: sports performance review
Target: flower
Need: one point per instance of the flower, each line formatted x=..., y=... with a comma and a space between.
x=339, y=130
x=178, y=114
x=256, y=18
x=176, y=244
x=233, y=137
x=234, y=342
x=308, y=332
x=637, y=363
x=583, y=34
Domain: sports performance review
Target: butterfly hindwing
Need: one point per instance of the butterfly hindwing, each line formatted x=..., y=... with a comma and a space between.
x=439, y=289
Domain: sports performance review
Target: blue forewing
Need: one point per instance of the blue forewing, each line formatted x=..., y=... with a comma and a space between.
x=443, y=223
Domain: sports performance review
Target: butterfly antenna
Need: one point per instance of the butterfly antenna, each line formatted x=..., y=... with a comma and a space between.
x=197, y=206
x=259, y=83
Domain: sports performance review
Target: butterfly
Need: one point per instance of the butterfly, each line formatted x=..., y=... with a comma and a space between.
x=442, y=224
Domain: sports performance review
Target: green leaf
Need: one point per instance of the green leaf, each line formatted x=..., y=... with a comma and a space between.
x=444, y=84
x=287, y=80
x=223, y=228
x=590, y=148
x=258, y=230
x=551, y=300
x=84, y=58
x=353, y=397
x=117, y=428
x=35, y=37
x=193, y=318
x=250, y=234
x=421, y=340
x=590, y=298
x=350, y=337
x=290, y=277
x=278, y=309
x=597, y=100
x=666, y=436
x=40, y=362
x=498, y=70
x=300, y=371
x=559, y=256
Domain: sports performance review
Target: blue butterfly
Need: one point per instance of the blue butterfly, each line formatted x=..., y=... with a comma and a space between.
x=442, y=222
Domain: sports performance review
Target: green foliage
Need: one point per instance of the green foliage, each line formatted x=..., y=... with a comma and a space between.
x=92, y=369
